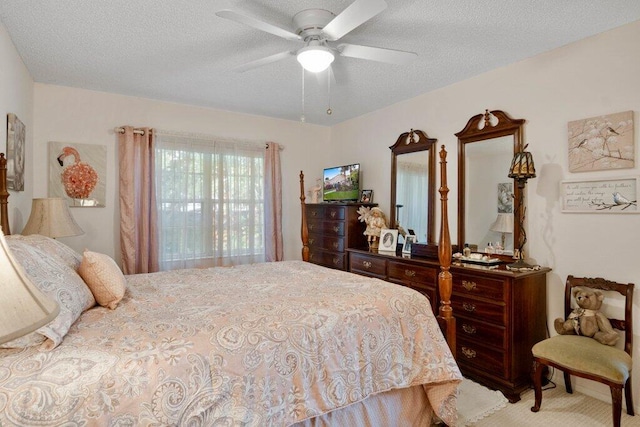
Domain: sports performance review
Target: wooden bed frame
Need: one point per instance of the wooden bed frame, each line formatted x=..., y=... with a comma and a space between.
x=4, y=195
x=445, y=283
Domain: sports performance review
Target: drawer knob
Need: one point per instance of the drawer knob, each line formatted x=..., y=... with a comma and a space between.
x=468, y=352
x=314, y=213
x=335, y=245
x=311, y=226
x=311, y=256
x=469, y=285
x=336, y=228
x=469, y=329
x=333, y=214
x=366, y=264
x=311, y=241
x=410, y=273
x=336, y=260
x=468, y=306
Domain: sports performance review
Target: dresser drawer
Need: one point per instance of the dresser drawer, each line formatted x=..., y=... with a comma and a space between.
x=326, y=212
x=331, y=228
x=480, y=310
x=487, y=334
x=328, y=243
x=478, y=286
x=483, y=359
x=328, y=259
x=407, y=274
x=369, y=266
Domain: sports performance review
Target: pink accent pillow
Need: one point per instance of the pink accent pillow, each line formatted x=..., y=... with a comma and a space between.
x=103, y=277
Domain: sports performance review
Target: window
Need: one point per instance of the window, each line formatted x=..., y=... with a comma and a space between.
x=210, y=197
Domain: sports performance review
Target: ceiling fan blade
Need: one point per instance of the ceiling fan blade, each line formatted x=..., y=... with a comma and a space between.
x=356, y=14
x=258, y=24
x=379, y=54
x=263, y=61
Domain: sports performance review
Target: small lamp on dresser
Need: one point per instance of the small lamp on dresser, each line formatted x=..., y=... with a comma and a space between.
x=51, y=217
x=503, y=225
x=522, y=169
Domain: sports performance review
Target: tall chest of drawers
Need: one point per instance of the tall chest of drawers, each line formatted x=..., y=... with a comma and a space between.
x=334, y=227
x=499, y=314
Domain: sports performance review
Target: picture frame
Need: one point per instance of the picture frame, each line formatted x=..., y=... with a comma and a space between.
x=15, y=153
x=366, y=196
x=605, y=195
x=78, y=173
x=409, y=240
x=388, y=240
x=601, y=143
x=505, y=197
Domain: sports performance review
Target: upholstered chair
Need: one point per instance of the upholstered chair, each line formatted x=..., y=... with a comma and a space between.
x=587, y=358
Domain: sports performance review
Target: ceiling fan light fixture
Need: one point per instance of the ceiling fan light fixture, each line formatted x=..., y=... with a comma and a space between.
x=315, y=58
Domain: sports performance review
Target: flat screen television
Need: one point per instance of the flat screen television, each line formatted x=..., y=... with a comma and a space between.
x=341, y=183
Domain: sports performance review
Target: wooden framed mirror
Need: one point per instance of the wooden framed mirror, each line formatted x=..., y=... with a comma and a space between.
x=413, y=185
x=486, y=195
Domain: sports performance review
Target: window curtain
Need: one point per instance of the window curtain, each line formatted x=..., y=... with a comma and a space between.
x=138, y=212
x=211, y=201
x=412, y=190
x=273, y=204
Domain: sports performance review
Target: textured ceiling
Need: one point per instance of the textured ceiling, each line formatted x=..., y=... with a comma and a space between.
x=180, y=51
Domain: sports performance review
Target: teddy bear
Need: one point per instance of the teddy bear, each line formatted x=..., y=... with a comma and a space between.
x=586, y=319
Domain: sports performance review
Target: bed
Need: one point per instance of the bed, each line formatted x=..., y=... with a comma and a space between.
x=270, y=344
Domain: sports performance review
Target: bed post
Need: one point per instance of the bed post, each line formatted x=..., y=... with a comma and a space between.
x=445, y=284
x=304, y=232
x=4, y=195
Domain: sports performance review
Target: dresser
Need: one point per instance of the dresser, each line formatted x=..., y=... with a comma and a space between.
x=500, y=314
x=334, y=227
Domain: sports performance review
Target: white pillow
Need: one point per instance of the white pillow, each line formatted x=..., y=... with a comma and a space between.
x=103, y=276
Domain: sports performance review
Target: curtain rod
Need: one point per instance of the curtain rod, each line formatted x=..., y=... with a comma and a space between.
x=141, y=132
x=136, y=131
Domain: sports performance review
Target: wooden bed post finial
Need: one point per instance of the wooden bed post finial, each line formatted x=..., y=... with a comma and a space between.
x=445, y=283
x=4, y=195
x=304, y=232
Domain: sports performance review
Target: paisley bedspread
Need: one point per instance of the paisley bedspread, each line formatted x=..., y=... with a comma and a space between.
x=259, y=345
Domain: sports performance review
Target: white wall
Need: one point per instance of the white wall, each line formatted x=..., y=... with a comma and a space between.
x=595, y=76
x=16, y=96
x=82, y=116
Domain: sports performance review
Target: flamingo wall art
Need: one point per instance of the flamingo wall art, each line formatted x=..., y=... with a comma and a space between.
x=77, y=173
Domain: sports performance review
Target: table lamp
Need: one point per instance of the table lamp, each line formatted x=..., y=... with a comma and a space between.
x=503, y=224
x=51, y=217
x=521, y=170
x=23, y=308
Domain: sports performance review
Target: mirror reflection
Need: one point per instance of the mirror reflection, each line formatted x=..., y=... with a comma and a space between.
x=412, y=185
x=486, y=194
x=489, y=194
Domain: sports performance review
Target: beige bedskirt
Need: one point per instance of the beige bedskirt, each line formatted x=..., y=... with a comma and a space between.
x=406, y=407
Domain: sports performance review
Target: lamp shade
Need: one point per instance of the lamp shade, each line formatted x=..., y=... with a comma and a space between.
x=503, y=223
x=51, y=217
x=23, y=308
x=522, y=166
x=315, y=58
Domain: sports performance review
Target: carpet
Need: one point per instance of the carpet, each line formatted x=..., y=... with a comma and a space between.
x=476, y=402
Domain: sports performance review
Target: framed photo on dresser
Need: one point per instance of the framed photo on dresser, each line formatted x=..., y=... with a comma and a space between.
x=388, y=240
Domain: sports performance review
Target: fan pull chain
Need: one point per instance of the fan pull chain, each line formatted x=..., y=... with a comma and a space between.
x=329, y=71
x=302, y=117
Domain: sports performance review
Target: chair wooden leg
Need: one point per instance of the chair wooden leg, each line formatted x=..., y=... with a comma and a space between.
x=628, y=396
x=567, y=382
x=537, y=384
x=616, y=399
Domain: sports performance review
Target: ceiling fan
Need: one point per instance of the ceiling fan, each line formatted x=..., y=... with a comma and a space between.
x=317, y=28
